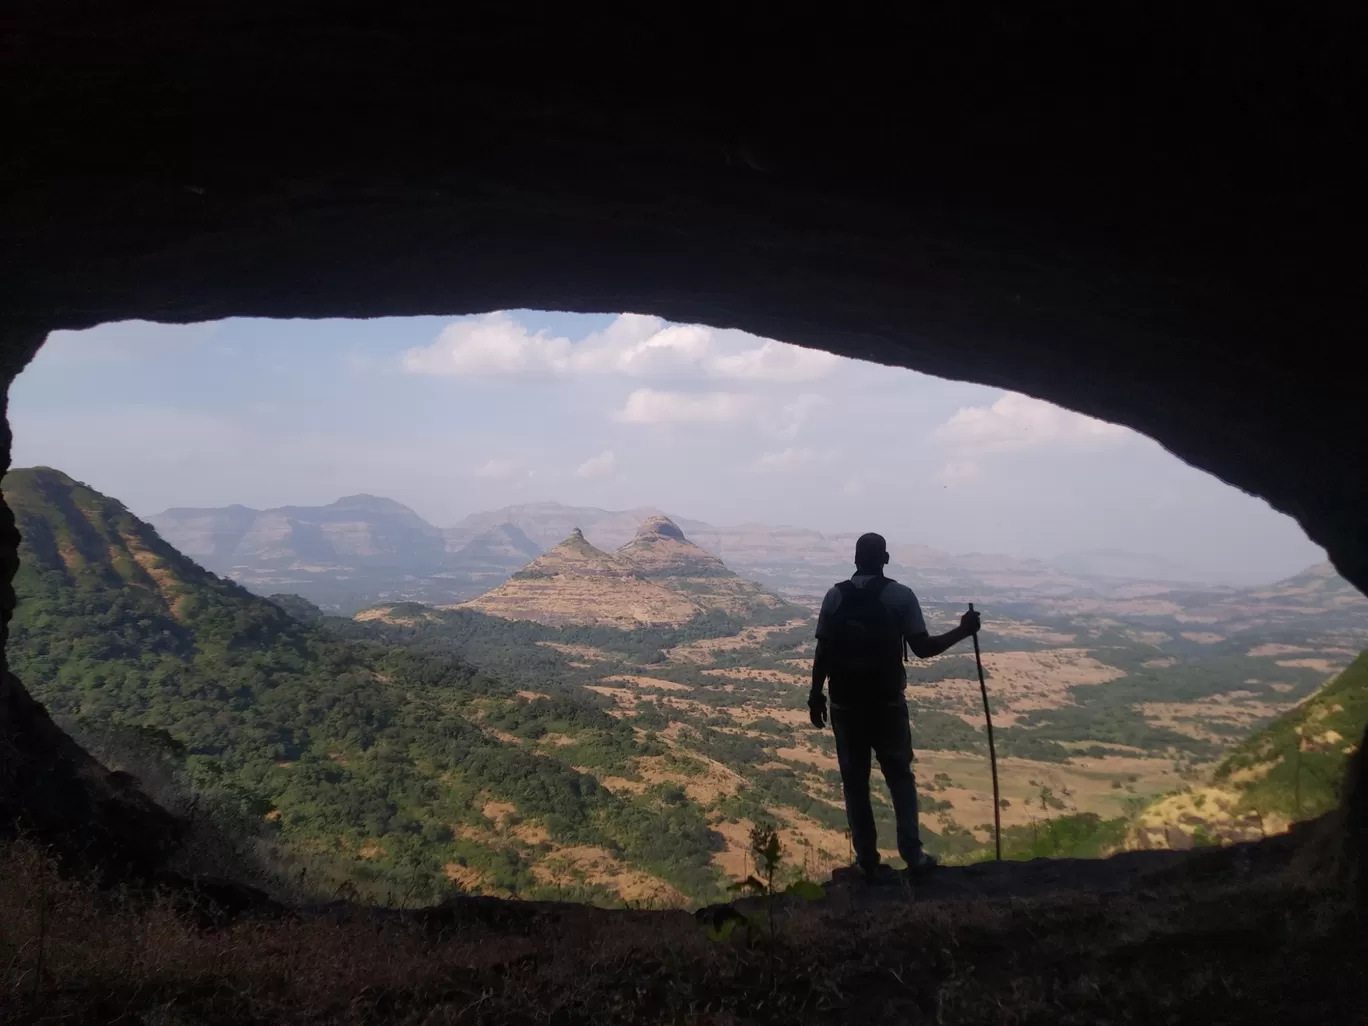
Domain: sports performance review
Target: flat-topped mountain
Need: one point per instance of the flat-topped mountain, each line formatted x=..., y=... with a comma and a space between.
x=348, y=553
x=355, y=531
x=659, y=578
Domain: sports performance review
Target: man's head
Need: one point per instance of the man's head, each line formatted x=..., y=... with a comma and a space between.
x=871, y=553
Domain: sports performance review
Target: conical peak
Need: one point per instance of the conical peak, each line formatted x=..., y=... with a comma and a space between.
x=660, y=548
x=576, y=542
x=577, y=555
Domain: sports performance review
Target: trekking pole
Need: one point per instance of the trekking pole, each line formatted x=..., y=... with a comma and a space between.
x=992, y=750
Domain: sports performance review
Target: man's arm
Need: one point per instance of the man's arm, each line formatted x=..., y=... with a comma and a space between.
x=820, y=670
x=817, y=704
x=925, y=646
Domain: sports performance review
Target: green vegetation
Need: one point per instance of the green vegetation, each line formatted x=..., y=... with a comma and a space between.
x=521, y=646
x=394, y=755
x=368, y=756
x=1295, y=764
x=1083, y=835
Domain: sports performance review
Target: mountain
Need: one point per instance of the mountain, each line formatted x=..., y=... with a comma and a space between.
x=1288, y=771
x=502, y=548
x=364, y=550
x=1320, y=586
x=659, y=578
x=575, y=582
x=369, y=764
x=355, y=531
x=1317, y=595
x=659, y=549
x=78, y=545
x=547, y=523
x=347, y=554
x=662, y=553
x=1121, y=564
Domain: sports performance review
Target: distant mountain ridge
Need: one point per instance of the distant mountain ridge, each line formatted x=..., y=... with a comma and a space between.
x=658, y=578
x=356, y=529
x=365, y=549
x=346, y=554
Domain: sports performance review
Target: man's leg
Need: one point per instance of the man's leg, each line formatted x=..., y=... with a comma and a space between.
x=893, y=746
x=853, y=745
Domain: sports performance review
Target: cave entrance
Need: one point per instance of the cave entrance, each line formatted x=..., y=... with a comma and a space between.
x=461, y=488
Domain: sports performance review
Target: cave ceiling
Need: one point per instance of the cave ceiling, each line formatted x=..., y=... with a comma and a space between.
x=1152, y=214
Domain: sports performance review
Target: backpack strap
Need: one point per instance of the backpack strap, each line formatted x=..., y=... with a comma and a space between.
x=851, y=594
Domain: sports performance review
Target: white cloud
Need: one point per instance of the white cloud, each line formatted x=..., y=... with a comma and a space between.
x=682, y=348
x=785, y=420
x=597, y=467
x=493, y=344
x=1019, y=422
x=500, y=470
x=794, y=458
x=777, y=362
x=647, y=406
x=633, y=345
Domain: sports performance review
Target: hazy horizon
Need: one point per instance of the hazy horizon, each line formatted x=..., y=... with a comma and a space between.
x=454, y=416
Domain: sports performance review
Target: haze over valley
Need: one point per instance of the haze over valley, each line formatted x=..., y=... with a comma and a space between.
x=362, y=549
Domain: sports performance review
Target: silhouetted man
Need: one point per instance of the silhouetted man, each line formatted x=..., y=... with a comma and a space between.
x=861, y=630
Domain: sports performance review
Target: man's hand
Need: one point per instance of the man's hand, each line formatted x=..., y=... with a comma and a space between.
x=817, y=709
x=924, y=646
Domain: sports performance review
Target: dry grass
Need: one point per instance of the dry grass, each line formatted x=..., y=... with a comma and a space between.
x=1265, y=950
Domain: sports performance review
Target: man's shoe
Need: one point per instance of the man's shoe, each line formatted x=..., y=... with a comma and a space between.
x=921, y=867
x=881, y=874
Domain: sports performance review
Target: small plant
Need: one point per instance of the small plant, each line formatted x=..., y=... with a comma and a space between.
x=768, y=852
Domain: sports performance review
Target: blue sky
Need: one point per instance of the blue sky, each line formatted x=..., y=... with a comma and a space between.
x=455, y=415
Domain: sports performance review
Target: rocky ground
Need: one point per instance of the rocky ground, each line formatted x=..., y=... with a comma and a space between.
x=1255, y=933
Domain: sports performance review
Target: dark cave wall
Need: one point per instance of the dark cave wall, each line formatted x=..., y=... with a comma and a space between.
x=1152, y=214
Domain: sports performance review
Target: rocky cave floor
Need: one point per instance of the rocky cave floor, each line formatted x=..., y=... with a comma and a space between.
x=1250, y=933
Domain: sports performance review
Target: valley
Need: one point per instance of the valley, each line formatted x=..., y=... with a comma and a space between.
x=607, y=725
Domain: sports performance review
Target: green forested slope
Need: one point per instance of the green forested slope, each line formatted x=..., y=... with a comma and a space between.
x=369, y=758
x=1294, y=765
x=1290, y=770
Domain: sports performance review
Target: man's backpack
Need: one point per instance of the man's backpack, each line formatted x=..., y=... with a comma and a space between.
x=866, y=641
